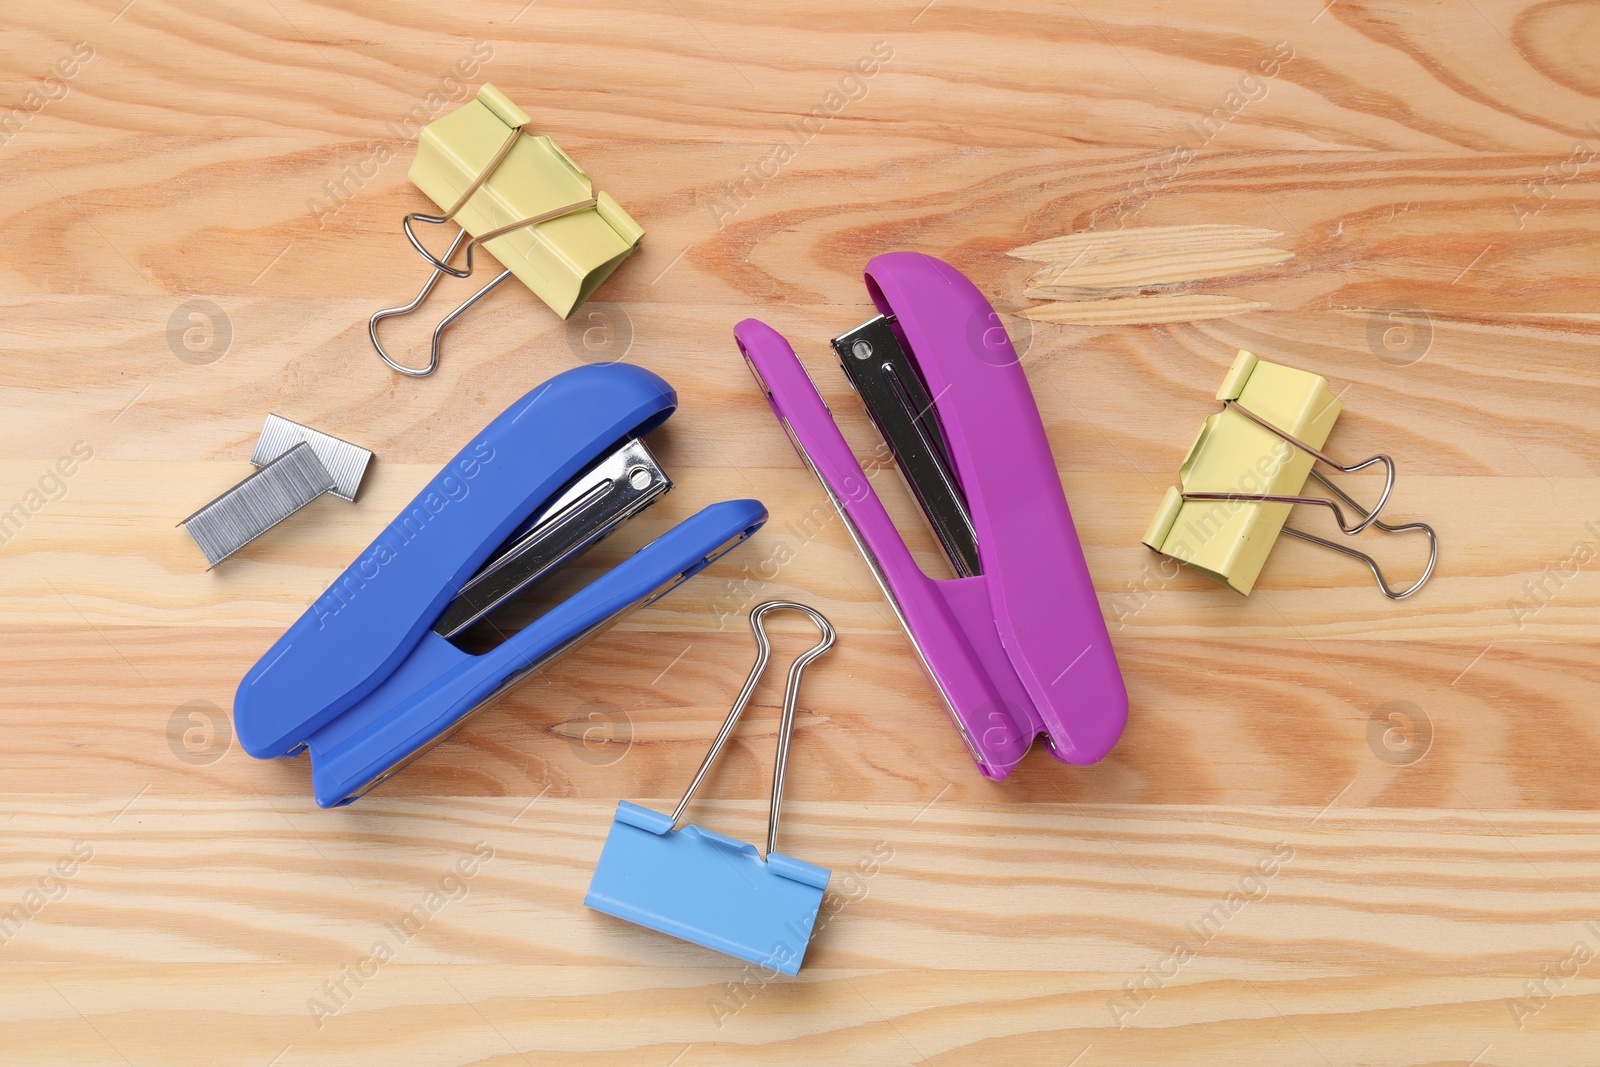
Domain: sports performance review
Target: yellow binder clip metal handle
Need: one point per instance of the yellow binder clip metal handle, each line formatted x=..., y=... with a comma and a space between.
x=1254, y=456
x=563, y=238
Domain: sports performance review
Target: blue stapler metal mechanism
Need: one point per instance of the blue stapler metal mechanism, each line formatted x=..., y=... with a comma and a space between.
x=375, y=672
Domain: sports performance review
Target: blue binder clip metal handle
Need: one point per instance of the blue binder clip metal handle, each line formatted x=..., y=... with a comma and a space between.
x=374, y=673
x=703, y=887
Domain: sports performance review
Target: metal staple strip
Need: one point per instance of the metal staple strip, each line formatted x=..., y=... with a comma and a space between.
x=257, y=504
x=344, y=461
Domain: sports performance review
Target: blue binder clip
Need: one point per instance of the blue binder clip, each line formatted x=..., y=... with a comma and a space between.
x=713, y=890
x=378, y=669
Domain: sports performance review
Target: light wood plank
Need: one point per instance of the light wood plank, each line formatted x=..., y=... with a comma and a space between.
x=1431, y=169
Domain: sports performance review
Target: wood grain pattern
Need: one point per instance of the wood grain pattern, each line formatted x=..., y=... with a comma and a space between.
x=1429, y=166
x=1136, y=275
x=1134, y=310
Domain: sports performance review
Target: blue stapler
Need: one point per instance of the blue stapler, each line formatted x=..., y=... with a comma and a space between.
x=375, y=672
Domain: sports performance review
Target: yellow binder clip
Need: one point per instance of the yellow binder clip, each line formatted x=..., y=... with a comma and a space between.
x=519, y=197
x=1244, y=470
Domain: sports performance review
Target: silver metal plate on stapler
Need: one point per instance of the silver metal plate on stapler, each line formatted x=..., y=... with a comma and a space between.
x=613, y=490
x=897, y=401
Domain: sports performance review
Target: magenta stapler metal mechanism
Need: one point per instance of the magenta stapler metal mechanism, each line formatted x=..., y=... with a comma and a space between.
x=1015, y=644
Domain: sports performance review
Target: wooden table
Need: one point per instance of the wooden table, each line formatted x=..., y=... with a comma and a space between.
x=1270, y=868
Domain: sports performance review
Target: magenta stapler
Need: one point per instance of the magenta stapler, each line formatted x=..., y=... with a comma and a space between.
x=1015, y=644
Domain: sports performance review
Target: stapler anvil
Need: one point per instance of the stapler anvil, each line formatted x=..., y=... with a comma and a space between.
x=1015, y=644
x=373, y=674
